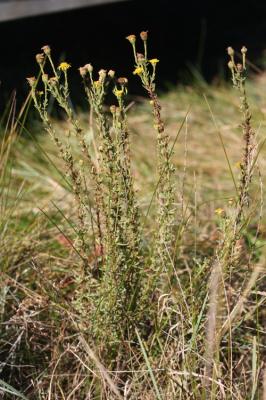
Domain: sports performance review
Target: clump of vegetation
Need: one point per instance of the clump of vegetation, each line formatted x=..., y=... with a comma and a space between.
x=117, y=285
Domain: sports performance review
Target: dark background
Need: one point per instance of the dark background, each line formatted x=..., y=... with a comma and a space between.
x=182, y=33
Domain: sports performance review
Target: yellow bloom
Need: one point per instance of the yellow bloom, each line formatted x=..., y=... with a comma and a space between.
x=64, y=66
x=118, y=93
x=96, y=84
x=154, y=61
x=219, y=211
x=138, y=71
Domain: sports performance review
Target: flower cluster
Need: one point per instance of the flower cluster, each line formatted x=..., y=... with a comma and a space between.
x=142, y=63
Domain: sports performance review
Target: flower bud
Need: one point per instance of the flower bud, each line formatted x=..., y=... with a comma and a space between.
x=45, y=78
x=111, y=73
x=131, y=39
x=244, y=50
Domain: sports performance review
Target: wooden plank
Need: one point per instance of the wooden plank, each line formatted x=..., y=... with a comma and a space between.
x=14, y=9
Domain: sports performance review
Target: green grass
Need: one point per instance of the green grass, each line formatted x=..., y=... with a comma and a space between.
x=194, y=327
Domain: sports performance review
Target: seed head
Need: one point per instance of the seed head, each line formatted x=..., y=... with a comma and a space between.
x=144, y=35
x=40, y=58
x=46, y=49
x=131, y=39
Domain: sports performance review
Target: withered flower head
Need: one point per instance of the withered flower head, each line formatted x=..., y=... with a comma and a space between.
x=31, y=81
x=53, y=81
x=89, y=67
x=230, y=51
x=102, y=74
x=111, y=73
x=140, y=57
x=239, y=67
x=122, y=81
x=46, y=49
x=83, y=71
x=144, y=35
x=112, y=109
x=40, y=58
x=131, y=39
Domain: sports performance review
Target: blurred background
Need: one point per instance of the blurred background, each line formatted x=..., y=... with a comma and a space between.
x=188, y=37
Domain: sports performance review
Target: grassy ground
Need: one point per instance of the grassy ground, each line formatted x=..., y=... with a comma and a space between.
x=47, y=350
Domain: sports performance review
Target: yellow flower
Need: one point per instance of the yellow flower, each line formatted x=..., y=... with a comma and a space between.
x=138, y=71
x=154, y=61
x=64, y=66
x=118, y=93
x=219, y=211
x=96, y=84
